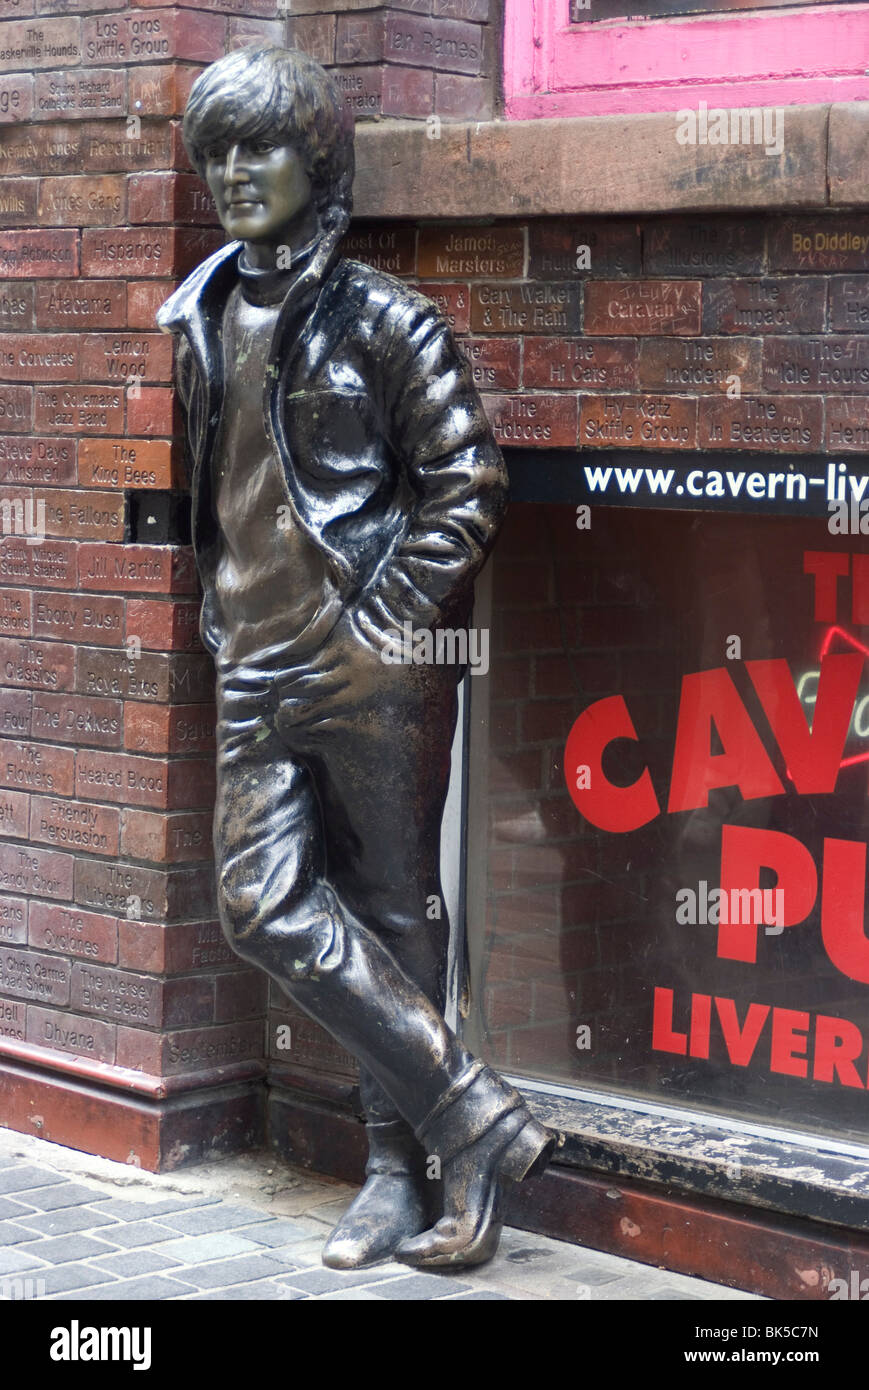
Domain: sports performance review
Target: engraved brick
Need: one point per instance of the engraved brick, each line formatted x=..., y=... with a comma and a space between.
x=78, y=618
x=64, y=1032
x=579, y=247
x=453, y=302
x=477, y=10
x=310, y=1046
x=84, y=304
x=494, y=362
x=182, y=784
x=407, y=91
x=163, y=625
x=361, y=88
x=847, y=424
x=16, y=612
x=169, y=729
x=161, y=89
x=15, y=711
x=16, y=307
x=41, y=461
x=191, y=1050
x=13, y=1020
x=638, y=422
x=153, y=36
x=173, y=947
x=546, y=421
x=240, y=994
x=475, y=252
x=75, y=825
x=776, y=305
x=109, y=147
x=117, y=995
x=125, y=463
x=39, y=356
x=47, y=149
x=838, y=242
x=792, y=424
x=79, y=409
x=126, y=356
x=14, y=816
x=115, y=673
x=16, y=408
x=166, y=838
x=360, y=38
x=699, y=364
x=849, y=303
x=13, y=919
x=82, y=200
x=93, y=92
x=642, y=306
x=535, y=307
x=51, y=565
x=16, y=99
x=87, y=935
x=824, y=364
x=84, y=516
x=143, y=894
x=463, y=98
x=36, y=665
x=569, y=363
x=158, y=569
x=243, y=30
x=314, y=35
x=49, y=43
x=46, y=873
x=388, y=248
x=129, y=250
x=18, y=206
x=28, y=255
x=144, y=298
x=446, y=44
x=153, y=410
x=174, y=197
x=78, y=719
x=704, y=246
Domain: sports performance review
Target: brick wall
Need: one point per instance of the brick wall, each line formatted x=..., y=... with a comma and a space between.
x=410, y=58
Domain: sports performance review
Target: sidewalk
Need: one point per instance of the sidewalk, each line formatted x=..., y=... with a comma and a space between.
x=76, y=1227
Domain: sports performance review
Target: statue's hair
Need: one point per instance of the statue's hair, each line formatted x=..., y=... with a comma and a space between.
x=263, y=91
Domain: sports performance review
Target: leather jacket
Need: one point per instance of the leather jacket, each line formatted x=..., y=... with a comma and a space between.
x=390, y=464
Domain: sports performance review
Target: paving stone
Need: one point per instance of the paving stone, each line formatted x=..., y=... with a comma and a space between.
x=477, y=1295
x=153, y=1286
x=262, y=1290
x=142, y=1233
x=64, y=1220
x=277, y=1232
x=132, y=1263
x=126, y=1210
x=64, y=1194
x=63, y=1278
x=220, y=1245
x=15, y=1261
x=358, y=1295
x=10, y=1162
x=238, y=1271
x=302, y=1252
x=314, y=1281
x=422, y=1286
x=20, y=1179
x=14, y=1210
x=217, y=1218
x=10, y=1234
x=62, y=1250
x=590, y=1274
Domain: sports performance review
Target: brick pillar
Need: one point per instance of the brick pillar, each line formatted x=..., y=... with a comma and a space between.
x=127, y=1027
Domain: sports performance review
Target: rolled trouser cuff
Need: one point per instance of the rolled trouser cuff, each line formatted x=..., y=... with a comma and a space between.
x=473, y=1104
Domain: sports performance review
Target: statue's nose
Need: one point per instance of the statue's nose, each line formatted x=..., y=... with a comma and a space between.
x=231, y=172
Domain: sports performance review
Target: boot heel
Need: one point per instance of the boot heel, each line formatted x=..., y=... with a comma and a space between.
x=529, y=1153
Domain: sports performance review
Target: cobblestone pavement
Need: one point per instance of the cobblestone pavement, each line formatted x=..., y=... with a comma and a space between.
x=74, y=1227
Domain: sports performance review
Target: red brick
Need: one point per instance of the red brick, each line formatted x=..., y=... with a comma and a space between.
x=244, y=30
x=847, y=424
x=58, y=45
x=704, y=246
x=153, y=410
x=45, y=461
x=557, y=248
x=47, y=566
x=160, y=90
x=14, y=815
x=28, y=255
x=174, y=947
x=113, y=672
x=638, y=422
x=16, y=612
x=361, y=88
x=445, y=44
x=39, y=356
x=80, y=93
x=534, y=307
x=699, y=364
x=240, y=994
x=642, y=306
x=144, y=298
x=191, y=1050
x=13, y=919
x=814, y=242
x=82, y=200
x=476, y=252
x=360, y=37
x=157, y=569
x=315, y=35
x=19, y=202
x=125, y=463
x=163, y=625
x=174, y=197
x=494, y=363
x=16, y=99
x=64, y=1032
x=78, y=719
x=544, y=421
x=78, y=619
x=118, y=357
x=166, y=838
x=823, y=363
x=169, y=729
x=15, y=711
x=463, y=98
x=407, y=91
x=144, y=251
x=157, y=894
x=383, y=246
x=179, y=784
x=569, y=363
x=791, y=424
x=75, y=825
x=46, y=873
x=36, y=767
x=36, y=665
x=16, y=408
x=88, y=935
x=453, y=301
x=153, y=36
x=16, y=307
x=791, y=304
x=84, y=516
x=85, y=304
x=79, y=409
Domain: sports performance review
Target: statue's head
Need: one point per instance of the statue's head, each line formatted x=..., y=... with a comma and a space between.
x=267, y=129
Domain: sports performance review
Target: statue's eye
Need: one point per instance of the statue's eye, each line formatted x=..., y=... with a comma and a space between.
x=263, y=146
x=215, y=152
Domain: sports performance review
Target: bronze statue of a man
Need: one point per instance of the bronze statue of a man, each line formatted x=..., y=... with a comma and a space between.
x=345, y=482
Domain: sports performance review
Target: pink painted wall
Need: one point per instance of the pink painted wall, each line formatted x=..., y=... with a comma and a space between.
x=764, y=58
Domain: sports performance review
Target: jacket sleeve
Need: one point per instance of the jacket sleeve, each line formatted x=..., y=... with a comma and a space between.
x=458, y=479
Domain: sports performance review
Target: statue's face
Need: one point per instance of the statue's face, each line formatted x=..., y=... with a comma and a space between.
x=260, y=188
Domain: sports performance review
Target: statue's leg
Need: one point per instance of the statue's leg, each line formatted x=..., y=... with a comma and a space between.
x=280, y=912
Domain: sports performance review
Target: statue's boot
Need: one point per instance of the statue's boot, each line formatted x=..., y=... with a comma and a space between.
x=390, y=1208
x=483, y=1132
